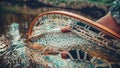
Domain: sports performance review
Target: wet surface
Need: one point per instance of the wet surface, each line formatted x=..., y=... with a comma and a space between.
x=22, y=13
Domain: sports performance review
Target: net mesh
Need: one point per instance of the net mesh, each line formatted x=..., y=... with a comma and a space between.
x=82, y=37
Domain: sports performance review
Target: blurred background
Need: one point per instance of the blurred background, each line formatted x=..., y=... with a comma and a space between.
x=24, y=11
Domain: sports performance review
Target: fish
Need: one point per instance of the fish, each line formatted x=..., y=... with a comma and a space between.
x=84, y=35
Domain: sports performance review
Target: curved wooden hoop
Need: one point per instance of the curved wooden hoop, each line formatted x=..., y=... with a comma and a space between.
x=78, y=17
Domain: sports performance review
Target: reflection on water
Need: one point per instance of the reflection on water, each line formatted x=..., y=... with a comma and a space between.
x=22, y=13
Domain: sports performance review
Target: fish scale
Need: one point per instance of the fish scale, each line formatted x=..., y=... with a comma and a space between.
x=61, y=40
